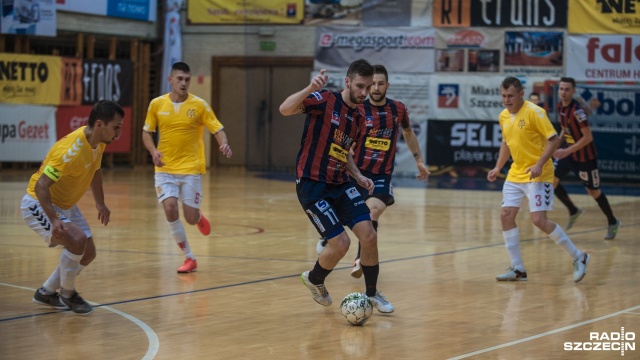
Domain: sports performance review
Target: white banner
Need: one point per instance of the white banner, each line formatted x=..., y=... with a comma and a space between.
x=28, y=17
x=27, y=132
x=144, y=10
x=469, y=38
x=604, y=57
x=172, y=42
x=400, y=49
x=471, y=97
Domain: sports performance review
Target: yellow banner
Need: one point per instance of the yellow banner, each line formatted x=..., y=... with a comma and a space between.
x=30, y=79
x=604, y=17
x=245, y=12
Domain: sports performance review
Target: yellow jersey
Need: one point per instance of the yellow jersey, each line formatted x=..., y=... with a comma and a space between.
x=526, y=133
x=181, y=126
x=71, y=163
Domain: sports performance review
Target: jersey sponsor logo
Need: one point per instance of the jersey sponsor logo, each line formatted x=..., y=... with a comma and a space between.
x=335, y=118
x=317, y=95
x=338, y=153
x=368, y=121
x=342, y=138
x=352, y=193
x=377, y=144
x=52, y=172
x=73, y=150
x=322, y=205
x=448, y=95
x=580, y=115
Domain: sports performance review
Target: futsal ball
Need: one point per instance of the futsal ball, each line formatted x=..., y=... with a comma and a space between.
x=356, y=308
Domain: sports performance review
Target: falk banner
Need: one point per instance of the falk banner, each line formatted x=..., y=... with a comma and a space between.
x=70, y=118
x=614, y=118
x=510, y=13
x=463, y=142
x=107, y=80
x=604, y=57
x=27, y=132
x=30, y=79
x=604, y=17
x=400, y=49
x=28, y=17
x=245, y=12
x=471, y=97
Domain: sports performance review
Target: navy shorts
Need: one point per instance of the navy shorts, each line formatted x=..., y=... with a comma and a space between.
x=587, y=172
x=382, y=189
x=330, y=207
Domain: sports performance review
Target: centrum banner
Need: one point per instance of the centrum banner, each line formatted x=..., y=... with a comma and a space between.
x=400, y=49
x=245, y=12
x=30, y=79
x=604, y=17
x=27, y=132
x=604, y=57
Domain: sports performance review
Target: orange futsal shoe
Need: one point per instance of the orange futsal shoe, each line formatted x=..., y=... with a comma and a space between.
x=190, y=265
x=203, y=225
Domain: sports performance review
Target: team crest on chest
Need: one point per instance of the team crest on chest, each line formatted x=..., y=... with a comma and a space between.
x=521, y=124
x=191, y=113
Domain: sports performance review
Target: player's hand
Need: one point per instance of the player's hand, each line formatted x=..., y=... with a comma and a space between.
x=157, y=158
x=104, y=214
x=58, y=229
x=319, y=81
x=366, y=183
x=423, y=172
x=534, y=171
x=560, y=154
x=226, y=150
x=492, y=174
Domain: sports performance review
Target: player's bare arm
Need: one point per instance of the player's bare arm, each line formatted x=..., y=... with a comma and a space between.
x=156, y=155
x=353, y=170
x=104, y=214
x=503, y=156
x=221, y=138
x=587, y=137
x=293, y=104
x=549, y=148
x=412, y=143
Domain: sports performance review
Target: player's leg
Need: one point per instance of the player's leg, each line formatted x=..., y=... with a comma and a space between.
x=561, y=168
x=512, y=194
x=590, y=178
x=540, y=201
x=191, y=197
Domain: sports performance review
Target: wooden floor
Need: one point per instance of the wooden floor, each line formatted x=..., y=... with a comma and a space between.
x=440, y=250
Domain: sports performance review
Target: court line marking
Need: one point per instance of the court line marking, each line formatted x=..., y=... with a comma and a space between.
x=534, y=337
x=154, y=342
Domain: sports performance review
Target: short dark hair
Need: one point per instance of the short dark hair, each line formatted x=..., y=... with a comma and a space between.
x=570, y=80
x=359, y=67
x=106, y=111
x=180, y=66
x=380, y=69
x=534, y=94
x=512, y=81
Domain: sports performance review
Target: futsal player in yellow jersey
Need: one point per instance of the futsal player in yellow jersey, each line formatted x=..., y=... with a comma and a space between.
x=49, y=207
x=180, y=118
x=530, y=140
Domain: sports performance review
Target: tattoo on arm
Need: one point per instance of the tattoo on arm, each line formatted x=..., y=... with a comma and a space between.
x=416, y=155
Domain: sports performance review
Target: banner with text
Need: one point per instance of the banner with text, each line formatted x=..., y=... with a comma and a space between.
x=604, y=17
x=245, y=12
x=27, y=132
x=71, y=90
x=107, y=80
x=70, y=118
x=519, y=13
x=30, y=79
x=144, y=10
x=604, y=57
x=400, y=49
x=28, y=17
x=463, y=142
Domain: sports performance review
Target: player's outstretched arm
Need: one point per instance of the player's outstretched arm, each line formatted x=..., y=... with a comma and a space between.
x=221, y=138
x=156, y=155
x=293, y=104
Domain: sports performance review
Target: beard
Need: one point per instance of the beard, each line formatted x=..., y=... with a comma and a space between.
x=378, y=98
x=354, y=98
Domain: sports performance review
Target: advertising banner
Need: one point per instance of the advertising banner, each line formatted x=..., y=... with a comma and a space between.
x=447, y=13
x=144, y=10
x=471, y=97
x=604, y=57
x=28, y=17
x=604, y=17
x=387, y=13
x=107, y=80
x=70, y=118
x=27, y=132
x=245, y=12
x=71, y=91
x=400, y=49
x=30, y=79
x=543, y=13
x=463, y=142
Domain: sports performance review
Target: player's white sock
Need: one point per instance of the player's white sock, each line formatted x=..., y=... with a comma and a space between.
x=512, y=243
x=69, y=266
x=180, y=237
x=53, y=282
x=560, y=237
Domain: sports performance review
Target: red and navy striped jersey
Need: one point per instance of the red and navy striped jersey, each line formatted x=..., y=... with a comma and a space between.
x=376, y=154
x=572, y=118
x=330, y=129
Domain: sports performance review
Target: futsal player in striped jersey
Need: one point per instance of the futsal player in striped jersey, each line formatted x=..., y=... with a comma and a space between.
x=329, y=199
x=50, y=206
x=530, y=140
x=375, y=155
x=581, y=153
x=180, y=118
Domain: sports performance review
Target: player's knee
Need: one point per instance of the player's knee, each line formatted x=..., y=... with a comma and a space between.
x=369, y=240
